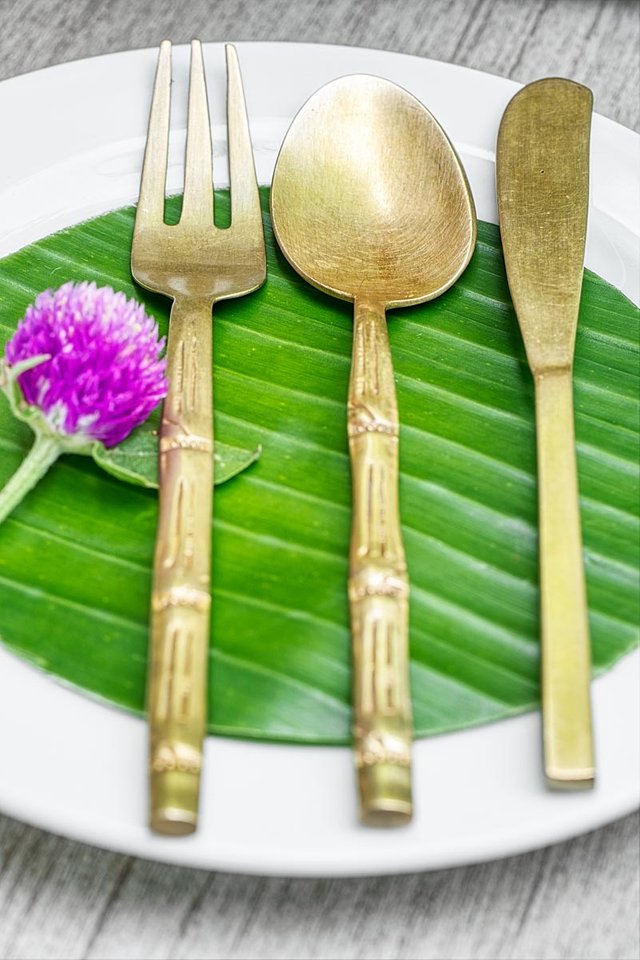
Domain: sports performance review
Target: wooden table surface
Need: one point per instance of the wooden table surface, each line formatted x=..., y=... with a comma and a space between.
x=578, y=899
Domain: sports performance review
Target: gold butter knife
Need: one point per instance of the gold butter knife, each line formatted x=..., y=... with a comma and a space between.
x=542, y=168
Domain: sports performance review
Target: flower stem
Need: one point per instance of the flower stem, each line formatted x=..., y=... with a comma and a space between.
x=43, y=453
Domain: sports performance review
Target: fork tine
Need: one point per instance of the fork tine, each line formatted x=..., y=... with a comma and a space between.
x=197, y=204
x=245, y=199
x=150, y=209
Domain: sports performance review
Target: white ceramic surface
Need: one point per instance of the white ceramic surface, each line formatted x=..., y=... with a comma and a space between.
x=73, y=137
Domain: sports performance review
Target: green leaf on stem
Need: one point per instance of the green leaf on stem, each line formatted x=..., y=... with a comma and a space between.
x=135, y=460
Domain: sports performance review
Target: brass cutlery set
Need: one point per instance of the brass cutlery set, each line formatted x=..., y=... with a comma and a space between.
x=369, y=203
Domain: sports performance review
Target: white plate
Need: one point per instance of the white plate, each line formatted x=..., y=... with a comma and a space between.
x=73, y=137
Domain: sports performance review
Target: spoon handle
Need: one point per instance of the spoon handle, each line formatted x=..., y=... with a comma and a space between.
x=378, y=582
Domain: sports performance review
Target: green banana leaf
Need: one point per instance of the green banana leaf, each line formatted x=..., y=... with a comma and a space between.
x=75, y=556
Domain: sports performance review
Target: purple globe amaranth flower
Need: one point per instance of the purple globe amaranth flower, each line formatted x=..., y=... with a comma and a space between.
x=104, y=374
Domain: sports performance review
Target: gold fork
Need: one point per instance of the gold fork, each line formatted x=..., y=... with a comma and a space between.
x=195, y=264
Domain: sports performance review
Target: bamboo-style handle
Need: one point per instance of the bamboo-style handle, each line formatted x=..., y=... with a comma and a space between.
x=566, y=658
x=181, y=600
x=378, y=583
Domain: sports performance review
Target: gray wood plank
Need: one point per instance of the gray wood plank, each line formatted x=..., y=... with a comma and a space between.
x=509, y=909
x=52, y=892
x=599, y=48
x=575, y=900
x=593, y=41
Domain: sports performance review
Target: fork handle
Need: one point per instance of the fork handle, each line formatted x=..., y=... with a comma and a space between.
x=378, y=582
x=181, y=598
x=566, y=653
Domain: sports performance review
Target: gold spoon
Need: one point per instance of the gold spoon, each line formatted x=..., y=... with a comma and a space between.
x=370, y=203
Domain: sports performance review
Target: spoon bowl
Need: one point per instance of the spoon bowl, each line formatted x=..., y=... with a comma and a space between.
x=370, y=203
x=369, y=196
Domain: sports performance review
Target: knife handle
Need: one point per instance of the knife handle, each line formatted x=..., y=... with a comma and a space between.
x=566, y=656
x=180, y=599
x=378, y=582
